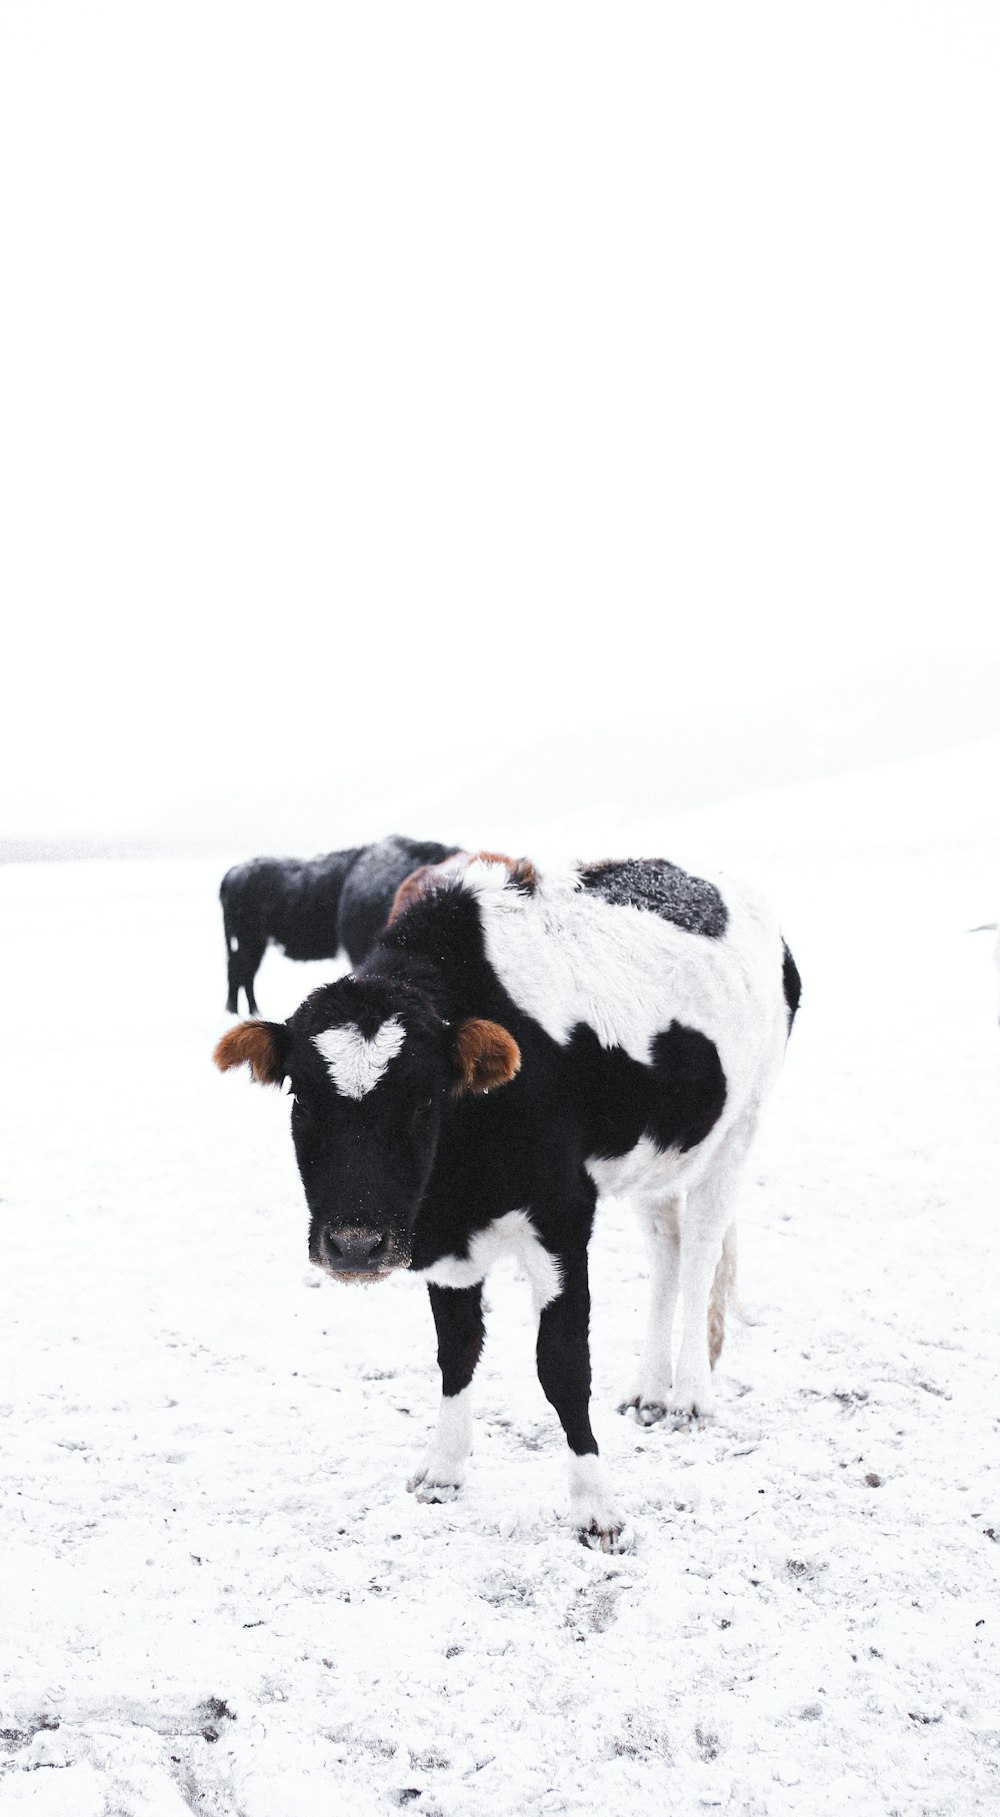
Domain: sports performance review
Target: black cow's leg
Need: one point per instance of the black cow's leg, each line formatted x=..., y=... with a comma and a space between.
x=251, y=953
x=234, y=958
x=563, y=1354
x=458, y=1316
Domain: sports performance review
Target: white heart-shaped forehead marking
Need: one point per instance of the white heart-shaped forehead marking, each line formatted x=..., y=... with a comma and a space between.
x=356, y=1062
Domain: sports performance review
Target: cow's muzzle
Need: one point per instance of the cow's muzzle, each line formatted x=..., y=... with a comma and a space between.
x=353, y=1254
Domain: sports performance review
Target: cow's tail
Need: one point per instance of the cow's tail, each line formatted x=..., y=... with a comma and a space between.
x=722, y=1293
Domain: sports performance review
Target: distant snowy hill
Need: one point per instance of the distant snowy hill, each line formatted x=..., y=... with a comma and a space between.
x=598, y=776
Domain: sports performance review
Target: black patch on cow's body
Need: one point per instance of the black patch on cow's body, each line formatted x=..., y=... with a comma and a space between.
x=676, y=1100
x=314, y=907
x=662, y=888
x=792, y=984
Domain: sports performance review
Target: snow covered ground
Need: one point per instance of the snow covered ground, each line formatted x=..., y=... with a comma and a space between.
x=215, y=1592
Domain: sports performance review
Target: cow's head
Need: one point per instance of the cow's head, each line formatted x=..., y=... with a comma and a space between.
x=372, y=1068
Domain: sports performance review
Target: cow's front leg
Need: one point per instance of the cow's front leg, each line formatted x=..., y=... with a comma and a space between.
x=458, y=1318
x=564, y=1372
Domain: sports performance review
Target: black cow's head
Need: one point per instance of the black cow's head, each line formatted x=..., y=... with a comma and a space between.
x=372, y=1068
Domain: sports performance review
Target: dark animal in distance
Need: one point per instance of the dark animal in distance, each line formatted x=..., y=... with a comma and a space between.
x=513, y=1046
x=314, y=907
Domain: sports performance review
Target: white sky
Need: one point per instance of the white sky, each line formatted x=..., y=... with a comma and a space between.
x=390, y=382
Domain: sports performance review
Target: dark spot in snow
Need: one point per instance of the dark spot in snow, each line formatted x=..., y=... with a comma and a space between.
x=16, y=1738
x=991, y=1533
x=217, y=1711
x=407, y=1794
x=452, y=1652
x=923, y=1716
x=873, y=1481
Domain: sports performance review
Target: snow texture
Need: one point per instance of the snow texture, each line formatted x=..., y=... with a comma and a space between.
x=217, y=1595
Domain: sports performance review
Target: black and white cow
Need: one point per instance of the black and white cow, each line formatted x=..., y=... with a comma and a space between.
x=512, y=1047
x=314, y=907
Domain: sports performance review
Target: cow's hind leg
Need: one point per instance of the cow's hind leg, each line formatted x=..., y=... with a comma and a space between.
x=252, y=950
x=458, y=1318
x=650, y=1396
x=707, y=1264
x=563, y=1355
x=234, y=960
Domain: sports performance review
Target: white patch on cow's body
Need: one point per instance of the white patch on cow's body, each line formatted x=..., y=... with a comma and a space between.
x=633, y=1174
x=356, y=1062
x=234, y=945
x=513, y=1234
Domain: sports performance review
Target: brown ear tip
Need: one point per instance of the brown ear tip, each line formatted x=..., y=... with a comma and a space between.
x=251, y=1044
x=486, y=1055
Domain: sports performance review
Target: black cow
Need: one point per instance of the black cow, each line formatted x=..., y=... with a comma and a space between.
x=513, y=1046
x=314, y=907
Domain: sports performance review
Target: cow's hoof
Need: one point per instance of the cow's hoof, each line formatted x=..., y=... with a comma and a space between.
x=647, y=1413
x=427, y=1490
x=689, y=1414
x=602, y=1536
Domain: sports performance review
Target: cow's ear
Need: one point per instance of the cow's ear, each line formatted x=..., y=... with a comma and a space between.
x=263, y=1046
x=485, y=1055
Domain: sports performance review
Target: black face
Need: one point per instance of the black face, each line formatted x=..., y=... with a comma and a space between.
x=369, y=1078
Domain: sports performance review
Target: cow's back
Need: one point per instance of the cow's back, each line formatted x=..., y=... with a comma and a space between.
x=639, y=958
x=370, y=887
x=306, y=921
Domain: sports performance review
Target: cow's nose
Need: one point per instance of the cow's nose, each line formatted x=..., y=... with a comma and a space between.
x=352, y=1248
